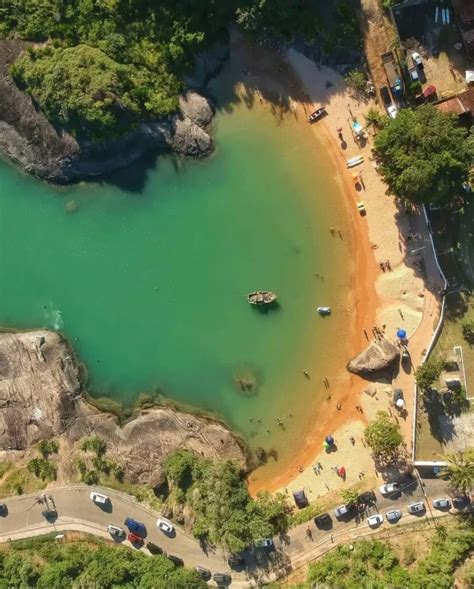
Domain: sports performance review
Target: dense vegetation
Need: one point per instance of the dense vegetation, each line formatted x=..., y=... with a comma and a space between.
x=428, y=372
x=383, y=436
x=424, y=155
x=373, y=564
x=225, y=514
x=459, y=470
x=46, y=564
x=99, y=66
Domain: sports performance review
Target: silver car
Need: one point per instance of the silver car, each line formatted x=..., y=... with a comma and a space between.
x=393, y=515
x=415, y=508
x=441, y=503
x=341, y=510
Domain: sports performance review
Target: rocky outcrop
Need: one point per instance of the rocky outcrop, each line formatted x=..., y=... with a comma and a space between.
x=380, y=356
x=29, y=139
x=40, y=398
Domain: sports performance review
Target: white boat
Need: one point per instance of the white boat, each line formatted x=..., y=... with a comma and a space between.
x=436, y=15
x=355, y=161
x=324, y=310
x=448, y=16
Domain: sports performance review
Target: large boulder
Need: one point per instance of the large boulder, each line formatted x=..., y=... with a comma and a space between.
x=380, y=356
x=196, y=108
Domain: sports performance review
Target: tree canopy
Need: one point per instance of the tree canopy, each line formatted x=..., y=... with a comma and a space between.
x=224, y=512
x=459, y=470
x=428, y=372
x=424, y=154
x=383, y=435
x=47, y=564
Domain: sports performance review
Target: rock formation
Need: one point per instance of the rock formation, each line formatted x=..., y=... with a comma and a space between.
x=40, y=398
x=380, y=356
x=30, y=140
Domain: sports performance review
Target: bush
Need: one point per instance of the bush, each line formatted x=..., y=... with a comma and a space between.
x=383, y=436
x=356, y=80
x=94, y=444
x=90, y=477
x=428, y=372
x=468, y=330
x=46, y=448
x=41, y=468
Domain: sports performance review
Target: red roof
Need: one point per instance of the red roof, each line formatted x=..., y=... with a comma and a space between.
x=429, y=90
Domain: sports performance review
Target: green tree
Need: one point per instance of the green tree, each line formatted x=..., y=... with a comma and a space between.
x=356, y=80
x=41, y=468
x=94, y=444
x=428, y=372
x=459, y=470
x=468, y=330
x=424, y=155
x=350, y=496
x=375, y=118
x=48, y=447
x=383, y=435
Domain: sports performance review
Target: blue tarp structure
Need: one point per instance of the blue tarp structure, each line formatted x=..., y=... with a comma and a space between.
x=357, y=128
x=300, y=499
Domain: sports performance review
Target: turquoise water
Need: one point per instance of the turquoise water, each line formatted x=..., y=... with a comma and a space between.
x=148, y=277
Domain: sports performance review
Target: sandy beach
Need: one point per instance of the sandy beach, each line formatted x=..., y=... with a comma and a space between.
x=395, y=296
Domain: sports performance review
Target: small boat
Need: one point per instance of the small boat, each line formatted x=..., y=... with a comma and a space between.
x=324, y=311
x=261, y=297
x=317, y=114
x=355, y=161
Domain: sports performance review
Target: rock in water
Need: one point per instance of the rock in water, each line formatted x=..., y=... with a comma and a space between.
x=379, y=356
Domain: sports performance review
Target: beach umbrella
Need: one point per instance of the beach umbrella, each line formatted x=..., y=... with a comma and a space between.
x=401, y=333
x=325, y=445
x=400, y=403
x=329, y=440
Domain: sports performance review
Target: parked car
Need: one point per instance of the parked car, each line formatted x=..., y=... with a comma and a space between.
x=392, y=111
x=461, y=501
x=264, y=543
x=398, y=400
x=116, y=531
x=135, y=539
x=415, y=508
x=405, y=357
x=99, y=498
x=165, y=526
x=222, y=578
x=179, y=562
x=135, y=527
x=375, y=520
x=204, y=573
x=367, y=498
x=154, y=548
x=341, y=511
x=323, y=520
x=389, y=488
x=3, y=510
x=416, y=57
x=441, y=503
x=385, y=94
x=393, y=515
x=413, y=74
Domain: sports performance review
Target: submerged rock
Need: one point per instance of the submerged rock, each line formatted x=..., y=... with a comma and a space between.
x=40, y=398
x=379, y=356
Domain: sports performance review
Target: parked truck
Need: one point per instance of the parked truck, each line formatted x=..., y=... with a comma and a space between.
x=393, y=74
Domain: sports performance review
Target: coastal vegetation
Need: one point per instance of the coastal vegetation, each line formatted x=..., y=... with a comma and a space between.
x=224, y=513
x=424, y=155
x=376, y=564
x=47, y=564
x=383, y=436
x=98, y=67
x=93, y=465
x=428, y=372
x=459, y=470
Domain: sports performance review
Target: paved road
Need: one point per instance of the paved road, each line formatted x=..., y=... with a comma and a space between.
x=76, y=511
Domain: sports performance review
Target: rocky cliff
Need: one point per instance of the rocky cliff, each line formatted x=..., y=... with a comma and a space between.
x=29, y=139
x=40, y=398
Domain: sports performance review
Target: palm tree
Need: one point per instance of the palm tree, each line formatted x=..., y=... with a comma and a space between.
x=374, y=117
x=350, y=497
x=459, y=470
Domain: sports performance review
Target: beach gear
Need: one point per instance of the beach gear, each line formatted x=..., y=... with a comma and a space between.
x=324, y=311
x=355, y=161
x=401, y=333
x=325, y=445
x=329, y=440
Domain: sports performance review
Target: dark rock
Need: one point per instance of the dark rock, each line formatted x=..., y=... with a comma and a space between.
x=379, y=356
x=207, y=64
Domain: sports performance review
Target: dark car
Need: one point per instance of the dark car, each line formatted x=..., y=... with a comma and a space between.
x=135, y=539
x=136, y=527
x=367, y=498
x=154, y=548
x=204, y=573
x=3, y=510
x=222, y=578
x=385, y=94
x=176, y=560
x=405, y=358
x=323, y=520
x=460, y=502
x=236, y=561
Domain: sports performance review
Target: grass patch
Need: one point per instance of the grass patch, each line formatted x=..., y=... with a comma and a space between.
x=142, y=493
x=19, y=481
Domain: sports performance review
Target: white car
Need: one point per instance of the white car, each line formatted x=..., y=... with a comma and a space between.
x=392, y=111
x=417, y=59
x=116, y=531
x=165, y=526
x=341, y=510
x=441, y=503
x=375, y=520
x=99, y=498
x=264, y=543
x=389, y=488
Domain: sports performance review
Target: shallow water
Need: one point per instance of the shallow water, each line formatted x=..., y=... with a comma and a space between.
x=148, y=277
